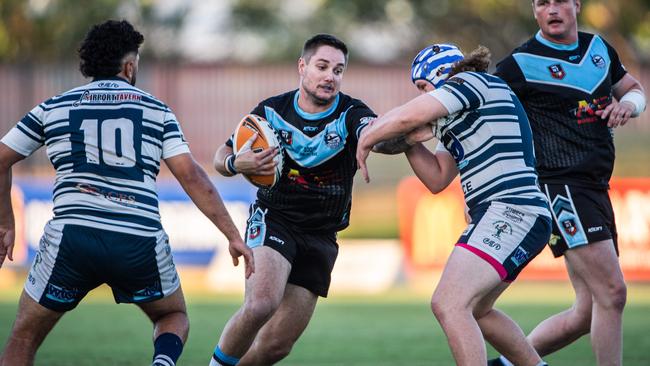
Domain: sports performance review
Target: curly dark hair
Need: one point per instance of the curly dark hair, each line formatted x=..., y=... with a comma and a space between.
x=478, y=60
x=104, y=47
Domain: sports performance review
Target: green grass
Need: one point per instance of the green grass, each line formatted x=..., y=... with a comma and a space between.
x=392, y=329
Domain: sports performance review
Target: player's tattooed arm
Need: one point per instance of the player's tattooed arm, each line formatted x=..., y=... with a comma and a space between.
x=393, y=146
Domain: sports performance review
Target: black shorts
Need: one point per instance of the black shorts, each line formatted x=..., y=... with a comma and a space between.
x=580, y=215
x=74, y=259
x=312, y=256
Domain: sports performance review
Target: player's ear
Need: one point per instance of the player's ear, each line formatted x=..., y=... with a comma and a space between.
x=578, y=6
x=301, y=66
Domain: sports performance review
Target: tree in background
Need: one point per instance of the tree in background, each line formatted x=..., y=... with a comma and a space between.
x=378, y=31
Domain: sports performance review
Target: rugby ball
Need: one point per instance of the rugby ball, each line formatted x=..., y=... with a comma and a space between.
x=267, y=137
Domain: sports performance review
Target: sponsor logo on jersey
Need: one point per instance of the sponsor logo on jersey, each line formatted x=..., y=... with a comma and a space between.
x=598, y=60
x=106, y=98
x=60, y=294
x=513, y=214
x=276, y=239
x=333, y=140
x=574, y=57
x=569, y=226
x=594, y=229
x=310, y=128
x=366, y=120
x=519, y=256
x=557, y=72
x=501, y=228
x=586, y=111
x=492, y=243
x=287, y=136
x=554, y=239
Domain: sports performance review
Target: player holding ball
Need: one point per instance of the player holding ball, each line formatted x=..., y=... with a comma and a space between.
x=293, y=224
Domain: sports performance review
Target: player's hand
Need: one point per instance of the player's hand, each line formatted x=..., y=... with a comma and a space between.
x=7, y=237
x=618, y=113
x=363, y=150
x=249, y=162
x=238, y=248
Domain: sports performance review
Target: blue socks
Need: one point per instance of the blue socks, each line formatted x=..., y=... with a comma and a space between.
x=167, y=349
x=221, y=359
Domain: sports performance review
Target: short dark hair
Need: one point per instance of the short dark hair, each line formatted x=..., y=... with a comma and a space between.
x=105, y=46
x=313, y=43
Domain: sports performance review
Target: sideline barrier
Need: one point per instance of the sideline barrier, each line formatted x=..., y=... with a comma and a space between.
x=431, y=224
x=194, y=239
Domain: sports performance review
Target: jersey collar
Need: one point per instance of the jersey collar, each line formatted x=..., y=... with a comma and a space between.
x=314, y=116
x=557, y=46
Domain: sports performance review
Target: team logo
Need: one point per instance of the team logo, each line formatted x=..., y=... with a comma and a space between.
x=253, y=232
x=333, y=140
x=598, y=60
x=569, y=226
x=501, y=227
x=557, y=72
x=287, y=136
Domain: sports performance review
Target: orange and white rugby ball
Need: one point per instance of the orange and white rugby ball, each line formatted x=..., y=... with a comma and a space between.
x=267, y=137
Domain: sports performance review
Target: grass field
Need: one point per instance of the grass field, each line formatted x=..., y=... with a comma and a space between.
x=392, y=329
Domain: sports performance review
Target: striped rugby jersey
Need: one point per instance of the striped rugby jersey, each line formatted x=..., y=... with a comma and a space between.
x=106, y=140
x=488, y=134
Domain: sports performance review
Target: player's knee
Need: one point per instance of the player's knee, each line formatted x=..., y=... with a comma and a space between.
x=260, y=311
x=617, y=296
x=440, y=307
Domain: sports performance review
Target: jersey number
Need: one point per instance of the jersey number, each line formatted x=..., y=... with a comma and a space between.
x=117, y=147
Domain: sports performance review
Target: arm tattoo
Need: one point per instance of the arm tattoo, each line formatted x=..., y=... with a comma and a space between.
x=393, y=146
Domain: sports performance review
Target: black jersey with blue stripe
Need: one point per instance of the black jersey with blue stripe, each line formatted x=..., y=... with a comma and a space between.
x=561, y=87
x=315, y=190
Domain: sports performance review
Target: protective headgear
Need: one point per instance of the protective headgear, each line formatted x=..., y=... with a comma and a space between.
x=434, y=63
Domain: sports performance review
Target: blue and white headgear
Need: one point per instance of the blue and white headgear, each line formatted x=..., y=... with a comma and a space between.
x=434, y=63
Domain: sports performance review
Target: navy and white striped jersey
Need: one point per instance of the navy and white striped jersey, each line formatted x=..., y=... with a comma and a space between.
x=106, y=140
x=488, y=134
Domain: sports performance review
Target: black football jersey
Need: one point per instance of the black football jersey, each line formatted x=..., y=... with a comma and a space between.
x=561, y=87
x=315, y=190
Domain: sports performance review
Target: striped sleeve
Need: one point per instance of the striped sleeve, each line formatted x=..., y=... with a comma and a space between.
x=28, y=135
x=173, y=139
x=462, y=92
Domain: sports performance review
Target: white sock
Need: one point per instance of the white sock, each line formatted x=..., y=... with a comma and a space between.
x=505, y=361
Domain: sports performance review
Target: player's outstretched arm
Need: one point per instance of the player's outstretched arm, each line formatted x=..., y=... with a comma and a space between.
x=205, y=196
x=435, y=170
x=399, y=121
x=8, y=158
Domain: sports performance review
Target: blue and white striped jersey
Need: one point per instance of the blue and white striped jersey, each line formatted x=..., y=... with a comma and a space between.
x=488, y=134
x=106, y=140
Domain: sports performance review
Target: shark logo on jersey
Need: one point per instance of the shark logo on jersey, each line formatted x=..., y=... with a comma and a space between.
x=557, y=72
x=333, y=140
x=598, y=60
